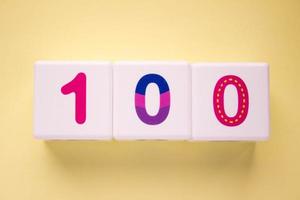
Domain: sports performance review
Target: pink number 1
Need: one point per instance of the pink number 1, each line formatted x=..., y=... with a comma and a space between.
x=78, y=86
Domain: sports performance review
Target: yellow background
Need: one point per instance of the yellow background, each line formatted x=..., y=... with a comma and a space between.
x=253, y=30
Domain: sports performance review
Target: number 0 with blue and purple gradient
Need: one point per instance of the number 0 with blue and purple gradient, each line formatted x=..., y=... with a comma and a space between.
x=165, y=99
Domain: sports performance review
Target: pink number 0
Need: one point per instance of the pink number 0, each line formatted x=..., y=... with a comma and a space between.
x=243, y=100
x=78, y=86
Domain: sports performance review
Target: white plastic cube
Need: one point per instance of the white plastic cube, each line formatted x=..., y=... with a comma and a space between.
x=152, y=100
x=230, y=101
x=73, y=100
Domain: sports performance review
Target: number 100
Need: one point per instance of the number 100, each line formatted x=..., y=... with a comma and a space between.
x=79, y=86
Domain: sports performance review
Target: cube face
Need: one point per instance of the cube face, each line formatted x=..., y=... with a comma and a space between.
x=230, y=101
x=152, y=100
x=73, y=100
